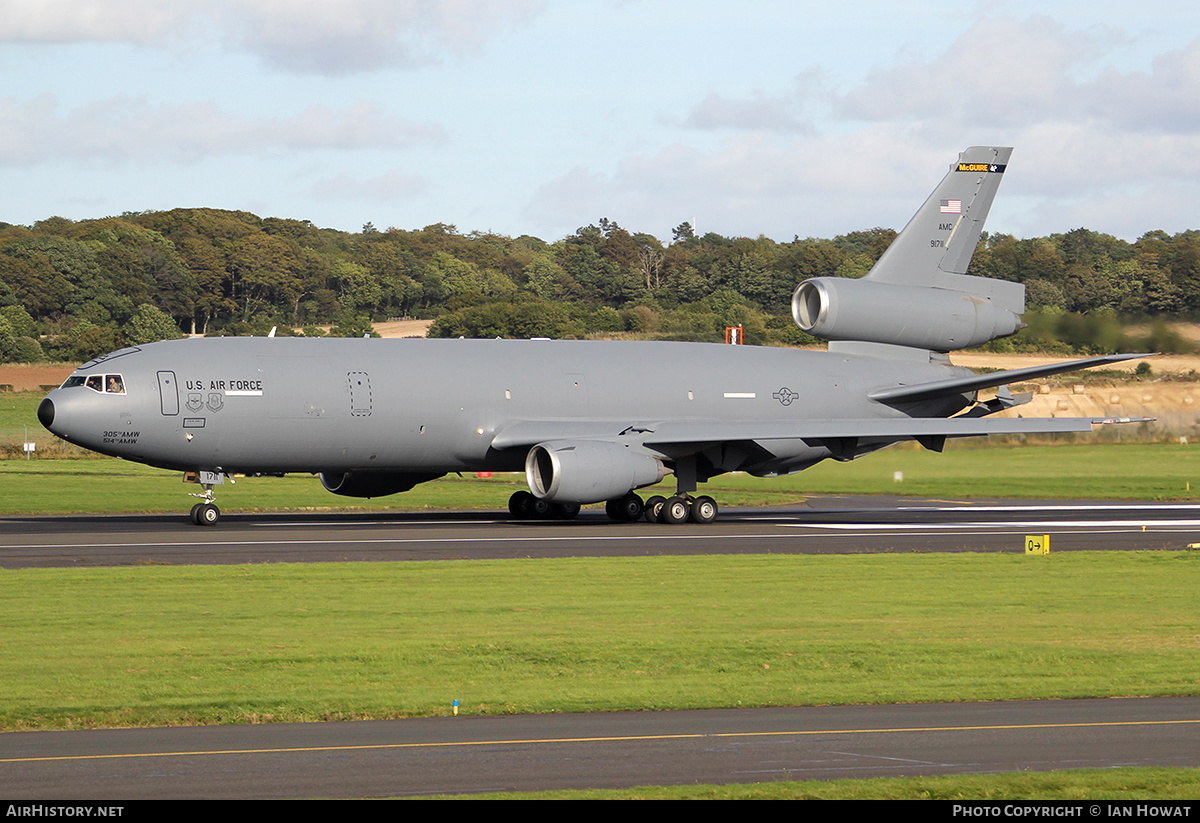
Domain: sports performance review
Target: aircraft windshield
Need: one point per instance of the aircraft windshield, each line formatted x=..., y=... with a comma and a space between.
x=103, y=383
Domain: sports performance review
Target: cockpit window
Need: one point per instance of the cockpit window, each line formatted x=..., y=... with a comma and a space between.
x=103, y=383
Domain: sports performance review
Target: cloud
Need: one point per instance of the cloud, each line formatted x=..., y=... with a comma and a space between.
x=1019, y=75
x=73, y=21
x=1093, y=143
x=1165, y=99
x=386, y=188
x=126, y=129
x=998, y=73
x=306, y=36
x=778, y=185
x=760, y=111
x=344, y=37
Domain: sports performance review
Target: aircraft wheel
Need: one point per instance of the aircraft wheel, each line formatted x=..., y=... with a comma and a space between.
x=195, y=514
x=613, y=509
x=654, y=508
x=207, y=515
x=704, y=510
x=624, y=509
x=520, y=505
x=539, y=509
x=675, y=511
x=566, y=511
x=632, y=507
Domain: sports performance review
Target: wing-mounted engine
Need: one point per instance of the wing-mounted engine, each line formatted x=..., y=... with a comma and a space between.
x=588, y=471
x=372, y=484
x=921, y=317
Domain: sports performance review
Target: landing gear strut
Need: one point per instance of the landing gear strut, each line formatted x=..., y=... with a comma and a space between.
x=205, y=513
x=682, y=506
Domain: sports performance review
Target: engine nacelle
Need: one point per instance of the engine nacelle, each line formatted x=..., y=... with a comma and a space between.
x=372, y=484
x=922, y=317
x=588, y=471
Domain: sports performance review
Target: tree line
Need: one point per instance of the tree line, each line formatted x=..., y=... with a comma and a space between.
x=72, y=289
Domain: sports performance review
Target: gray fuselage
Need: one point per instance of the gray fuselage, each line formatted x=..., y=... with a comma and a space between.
x=434, y=406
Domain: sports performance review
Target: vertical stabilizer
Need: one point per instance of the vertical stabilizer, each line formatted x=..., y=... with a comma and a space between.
x=936, y=246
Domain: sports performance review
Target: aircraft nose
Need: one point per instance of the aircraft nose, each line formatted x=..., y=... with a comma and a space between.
x=45, y=412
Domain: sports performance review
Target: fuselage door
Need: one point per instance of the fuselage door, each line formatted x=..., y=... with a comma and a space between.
x=359, y=384
x=168, y=392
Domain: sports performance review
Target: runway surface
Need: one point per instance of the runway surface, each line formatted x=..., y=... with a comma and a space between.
x=474, y=754
x=828, y=525
x=619, y=750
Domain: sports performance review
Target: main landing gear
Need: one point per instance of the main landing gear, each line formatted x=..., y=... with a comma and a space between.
x=524, y=506
x=681, y=508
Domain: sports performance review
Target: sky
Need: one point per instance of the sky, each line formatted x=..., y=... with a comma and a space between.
x=535, y=117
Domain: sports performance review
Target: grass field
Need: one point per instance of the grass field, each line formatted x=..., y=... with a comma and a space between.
x=221, y=644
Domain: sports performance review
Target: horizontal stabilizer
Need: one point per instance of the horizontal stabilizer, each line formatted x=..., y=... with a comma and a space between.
x=961, y=385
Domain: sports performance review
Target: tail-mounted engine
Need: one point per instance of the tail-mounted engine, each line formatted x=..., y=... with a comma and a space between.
x=921, y=317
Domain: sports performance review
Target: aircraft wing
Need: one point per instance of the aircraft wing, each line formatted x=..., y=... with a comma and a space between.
x=703, y=432
x=960, y=385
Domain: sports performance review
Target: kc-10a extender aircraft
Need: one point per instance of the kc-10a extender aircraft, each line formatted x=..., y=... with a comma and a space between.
x=587, y=421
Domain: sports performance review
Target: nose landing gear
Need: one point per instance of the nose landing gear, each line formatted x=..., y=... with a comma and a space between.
x=205, y=513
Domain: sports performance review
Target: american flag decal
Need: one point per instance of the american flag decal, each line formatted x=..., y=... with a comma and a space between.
x=951, y=207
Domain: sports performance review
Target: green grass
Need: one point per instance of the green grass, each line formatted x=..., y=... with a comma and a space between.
x=231, y=644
